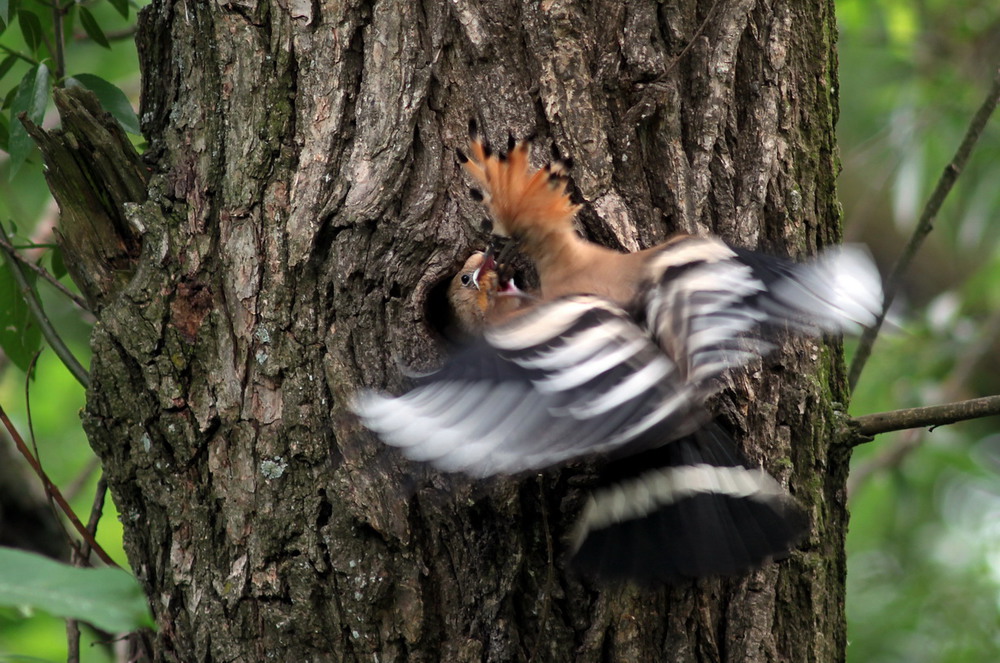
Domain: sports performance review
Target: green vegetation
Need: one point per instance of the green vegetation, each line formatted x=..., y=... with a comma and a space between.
x=96, y=51
x=924, y=567
x=924, y=577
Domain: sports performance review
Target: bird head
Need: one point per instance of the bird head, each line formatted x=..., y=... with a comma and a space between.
x=473, y=292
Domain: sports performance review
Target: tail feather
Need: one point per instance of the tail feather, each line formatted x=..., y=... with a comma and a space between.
x=688, y=509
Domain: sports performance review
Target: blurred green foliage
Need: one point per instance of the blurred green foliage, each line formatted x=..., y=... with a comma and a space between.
x=97, y=52
x=924, y=565
x=924, y=544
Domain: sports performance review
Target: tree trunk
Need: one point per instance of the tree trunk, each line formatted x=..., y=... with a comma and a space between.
x=303, y=203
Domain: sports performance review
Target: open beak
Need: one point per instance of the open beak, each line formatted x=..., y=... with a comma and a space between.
x=488, y=265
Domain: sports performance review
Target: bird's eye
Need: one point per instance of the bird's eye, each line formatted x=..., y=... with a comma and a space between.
x=466, y=279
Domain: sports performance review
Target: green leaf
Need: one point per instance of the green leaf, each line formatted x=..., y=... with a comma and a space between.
x=8, y=98
x=31, y=29
x=6, y=65
x=110, y=599
x=4, y=133
x=58, y=266
x=6, y=9
x=20, y=337
x=18, y=658
x=91, y=27
x=112, y=100
x=120, y=5
x=32, y=95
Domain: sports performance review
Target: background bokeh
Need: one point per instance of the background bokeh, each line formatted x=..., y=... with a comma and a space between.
x=924, y=545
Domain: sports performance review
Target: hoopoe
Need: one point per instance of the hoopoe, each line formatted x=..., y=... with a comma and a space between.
x=618, y=359
x=478, y=295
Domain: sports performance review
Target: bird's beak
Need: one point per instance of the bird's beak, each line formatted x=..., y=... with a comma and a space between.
x=487, y=265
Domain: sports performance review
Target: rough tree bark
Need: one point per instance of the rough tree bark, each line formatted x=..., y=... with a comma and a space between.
x=302, y=202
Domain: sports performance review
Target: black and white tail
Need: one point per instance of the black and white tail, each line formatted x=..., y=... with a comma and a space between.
x=685, y=510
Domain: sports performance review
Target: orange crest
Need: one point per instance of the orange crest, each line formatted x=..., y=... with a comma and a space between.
x=523, y=201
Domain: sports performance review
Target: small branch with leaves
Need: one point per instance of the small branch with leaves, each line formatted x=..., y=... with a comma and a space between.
x=9, y=250
x=48, y=330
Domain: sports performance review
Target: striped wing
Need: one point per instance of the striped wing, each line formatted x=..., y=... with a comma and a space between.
x=713, y=308
x=570, y=378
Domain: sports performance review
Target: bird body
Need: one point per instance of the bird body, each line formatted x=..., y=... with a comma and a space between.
x=580, y=267
x=533, y=207
x=617, y=359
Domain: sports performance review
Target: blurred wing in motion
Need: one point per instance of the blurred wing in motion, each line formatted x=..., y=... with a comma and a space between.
x=713, y=308
x=567, y=379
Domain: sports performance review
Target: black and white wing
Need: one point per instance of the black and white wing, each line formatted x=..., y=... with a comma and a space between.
x=570, y=378
x=713, y=308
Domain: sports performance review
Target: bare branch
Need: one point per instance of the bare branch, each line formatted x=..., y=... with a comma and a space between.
x=57, y=30
x=96, y=511
x=10, y=250
x=70, y=542
x=54, y=491
x=922, y=417
x=48, y=331
x=953, y=388
x=72, y=641
x=926, y=223
x=81, y=557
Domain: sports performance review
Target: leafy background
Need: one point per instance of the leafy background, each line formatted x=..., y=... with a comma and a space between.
x=924, y=545
x=98, y=49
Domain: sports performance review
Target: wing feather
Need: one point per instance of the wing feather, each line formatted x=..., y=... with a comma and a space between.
x=713, y=308
x=571, y=378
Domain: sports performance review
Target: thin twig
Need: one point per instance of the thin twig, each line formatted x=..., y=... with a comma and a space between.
x=81, y=557
x=930, y=416
x=952, y=389
x=926, y=224
x=34, y=446
x=48, y=331
x=41, y=271
x=96, y=511
x=72, y=641
x=49, y=501
x=10, y=51
x=57, y=30
x=27, y=403
x=56, y=494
